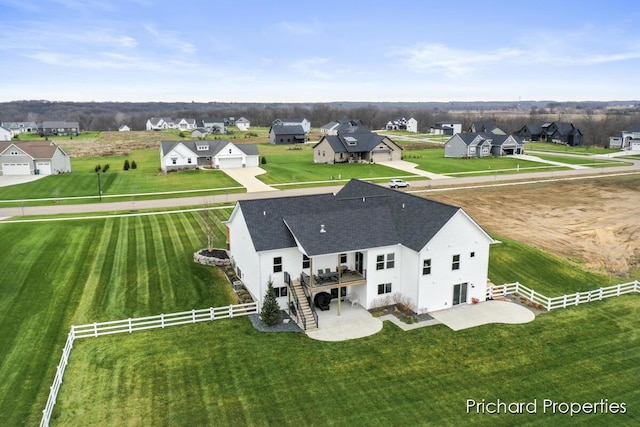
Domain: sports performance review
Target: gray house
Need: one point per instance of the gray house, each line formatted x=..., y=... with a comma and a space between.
x=55, y=128
x=305, y=123
x=627, y=139
x=287, y=134
x=482, y=144
x=360, y=145
x=488, y=127
x=33, y=158
x=559, y=132
x=216, y=125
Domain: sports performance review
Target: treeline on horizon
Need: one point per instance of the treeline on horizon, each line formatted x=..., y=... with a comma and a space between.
x=597, y=120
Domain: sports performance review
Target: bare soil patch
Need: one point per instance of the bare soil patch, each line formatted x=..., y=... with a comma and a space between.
x=596, y=221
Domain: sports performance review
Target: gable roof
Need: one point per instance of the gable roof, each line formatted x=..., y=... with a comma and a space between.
x=288, y=129
x=214, y=147
x=347, y=219
x=35, y=149
x=354, y=142
x=495, y=139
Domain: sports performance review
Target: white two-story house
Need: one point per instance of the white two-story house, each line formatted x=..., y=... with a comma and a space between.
x=366, y=242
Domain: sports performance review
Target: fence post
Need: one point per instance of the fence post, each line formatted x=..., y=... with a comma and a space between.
x=600, y=294
x=162, y=320
x=193, y=315
x=618, y=290
x=130, y=330
x=212, y=313
x=564, y=302
x=95, y=329
x=230, y=310
x=577, y=298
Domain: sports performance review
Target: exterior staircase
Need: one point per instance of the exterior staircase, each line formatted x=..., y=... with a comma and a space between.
x=305, y=310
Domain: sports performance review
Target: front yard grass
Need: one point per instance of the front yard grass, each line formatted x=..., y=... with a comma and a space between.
x=83, y=180
x=591, y=162
x=294, y=164
x=553, y=147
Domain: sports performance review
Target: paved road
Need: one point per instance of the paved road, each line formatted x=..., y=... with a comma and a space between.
x=231, y=198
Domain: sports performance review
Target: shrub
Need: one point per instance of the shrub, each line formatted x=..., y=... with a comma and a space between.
x=126, y=165
x=105, y=168
x=98, y=168
x=263, y=161
x=134, y=165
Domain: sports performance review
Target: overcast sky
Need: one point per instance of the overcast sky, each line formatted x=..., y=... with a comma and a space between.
x=317, y=51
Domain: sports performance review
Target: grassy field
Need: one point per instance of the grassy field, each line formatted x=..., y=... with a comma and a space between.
x=552, y=146
x=83, y=181
x=294, y=164
x=83, y=271
x=226, y=373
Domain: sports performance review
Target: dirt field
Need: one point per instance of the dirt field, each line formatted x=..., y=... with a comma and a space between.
x=595, y=221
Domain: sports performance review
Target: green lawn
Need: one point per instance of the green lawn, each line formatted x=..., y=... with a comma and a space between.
x=433, y=160
x=64, y=273
x=294, y=164
x=552, y=146
x=83, y=180
x=226, y=373
x=583, y=161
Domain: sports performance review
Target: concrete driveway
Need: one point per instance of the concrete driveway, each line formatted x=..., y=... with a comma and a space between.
x=469, y=315
x=247, y=178
x=6, y=180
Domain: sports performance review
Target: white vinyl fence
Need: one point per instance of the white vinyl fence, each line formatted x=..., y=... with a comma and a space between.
x=136, y=324
x=564, y=300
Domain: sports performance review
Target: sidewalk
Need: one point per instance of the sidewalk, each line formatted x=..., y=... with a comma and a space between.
x=247, y=178
x=549, y=162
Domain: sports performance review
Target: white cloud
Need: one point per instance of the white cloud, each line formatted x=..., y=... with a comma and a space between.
x=171, y=40
x=302, y=28
x=313, y=67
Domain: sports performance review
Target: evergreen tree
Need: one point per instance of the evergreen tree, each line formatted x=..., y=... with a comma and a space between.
x=134, y=165
x=126, y=165
x=270, y=313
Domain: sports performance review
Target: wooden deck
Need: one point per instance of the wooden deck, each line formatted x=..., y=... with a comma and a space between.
x=331, y=280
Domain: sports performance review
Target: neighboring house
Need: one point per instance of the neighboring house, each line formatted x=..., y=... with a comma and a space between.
x=481, y=127
x=215, y=125
x=33, y=158
x=160, y=123
x=218, y=154
x=358, y=144
x=5, y=134
x=558, y=132
x=186, y=124
x=287, y=134
x=55, y=128
x=445, y=128
x=124, y=128
x=385, y=243
x=332, y=128
x=243, y=124
x=628, y=139
x=199, y=133
x=410, y=125
x=306, y=124
x=17, y=128
x=482, y=145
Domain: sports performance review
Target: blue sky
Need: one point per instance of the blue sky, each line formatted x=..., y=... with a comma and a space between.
x=319, y=51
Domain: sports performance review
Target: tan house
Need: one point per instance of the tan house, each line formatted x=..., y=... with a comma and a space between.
x=357, y=145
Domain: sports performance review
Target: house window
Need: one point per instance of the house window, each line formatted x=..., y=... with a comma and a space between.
x=280, y=292
x=277, y=264
x=229, y=150
x=380, y=262
x=426, y=267
x=384, y=288
x=318, y=152
x=343, y=258
x=391, y=260
x=189, y=160
x=305, y=261
x=455, y=264
x=472, y=255
x=174, y=160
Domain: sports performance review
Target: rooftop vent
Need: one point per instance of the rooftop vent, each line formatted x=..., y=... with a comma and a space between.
x=322, y=230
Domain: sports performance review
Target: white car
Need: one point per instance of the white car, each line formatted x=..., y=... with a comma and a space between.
x=396, y=183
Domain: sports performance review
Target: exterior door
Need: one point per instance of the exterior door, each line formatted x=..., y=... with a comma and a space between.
x=460, y=293
x=359, y=261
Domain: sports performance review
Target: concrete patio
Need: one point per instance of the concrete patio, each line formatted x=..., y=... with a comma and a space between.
x=356, y=322
x=469, y=315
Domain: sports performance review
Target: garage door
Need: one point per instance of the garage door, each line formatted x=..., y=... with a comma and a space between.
x=16, y=169
x=44, y=168
x=230, y=162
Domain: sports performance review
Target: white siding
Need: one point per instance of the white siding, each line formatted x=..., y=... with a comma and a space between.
x=460, y=236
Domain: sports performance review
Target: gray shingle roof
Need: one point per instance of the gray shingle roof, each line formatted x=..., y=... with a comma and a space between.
x=288, y=130
x=360, y=216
